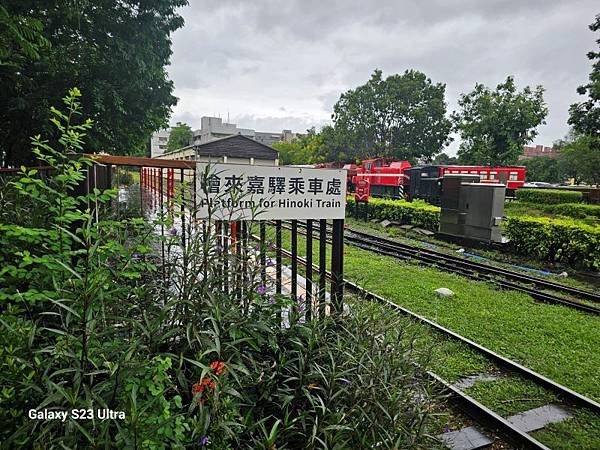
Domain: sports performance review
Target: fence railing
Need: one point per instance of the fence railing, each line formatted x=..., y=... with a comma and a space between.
x=170, y=187
x=161, y=181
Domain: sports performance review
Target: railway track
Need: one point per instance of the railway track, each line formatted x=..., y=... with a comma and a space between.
x=480, y=413
x=506, y=279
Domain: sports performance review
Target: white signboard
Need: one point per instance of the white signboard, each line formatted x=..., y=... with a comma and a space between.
x=239, y=191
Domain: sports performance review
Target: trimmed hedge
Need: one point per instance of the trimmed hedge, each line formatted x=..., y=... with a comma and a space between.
x=549, y=196
x=417, y=213
x=577, y=210
x=562, y=240
x=548, y=239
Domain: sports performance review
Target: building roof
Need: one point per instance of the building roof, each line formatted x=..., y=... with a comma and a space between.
x=237, y=146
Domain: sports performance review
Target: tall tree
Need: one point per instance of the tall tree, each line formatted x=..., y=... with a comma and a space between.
x=402, y=116
x=585, y=116
x=115, y=52
x=180, y=136
x=494, y=125
x=444, y=159
x=303, y=149
x=542, y=168
x=580, y=159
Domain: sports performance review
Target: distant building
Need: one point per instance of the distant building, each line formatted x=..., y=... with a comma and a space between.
x=235, y=149
x=158, y=142
x=213, y=128
x=539, y=150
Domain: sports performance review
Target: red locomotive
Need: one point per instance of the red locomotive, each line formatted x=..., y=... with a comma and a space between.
x=382, y=177
x=386, y=178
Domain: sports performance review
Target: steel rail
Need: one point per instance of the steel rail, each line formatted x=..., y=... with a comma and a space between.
x=457, y=265
x=564, y=392
x=488, y=417
x=451, y=266
x=576, y=292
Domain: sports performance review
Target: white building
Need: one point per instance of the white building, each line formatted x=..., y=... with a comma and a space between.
x=213, y=128
x=158, y=142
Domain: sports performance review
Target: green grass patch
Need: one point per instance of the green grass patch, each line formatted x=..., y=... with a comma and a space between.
x=511, y=395
x=556, y=341
x=497, y=258
x=580, y=433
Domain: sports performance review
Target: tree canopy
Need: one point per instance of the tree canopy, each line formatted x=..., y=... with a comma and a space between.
x=180, y=136
x=580, y=159
x=444, y=159
x=543, y=168
x=402, y=116
x=301, y=150
x=494, y=125
x=585, y=116
x=114, y=53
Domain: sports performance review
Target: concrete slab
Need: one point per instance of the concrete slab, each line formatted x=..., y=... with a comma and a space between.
x=471, y=438
x=468, y=438
x=538, y=418
x=423, y=231
x=471, y=380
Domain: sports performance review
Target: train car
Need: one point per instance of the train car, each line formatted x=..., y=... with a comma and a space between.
x=424, y=182
x=351, y=171
x=386, y=178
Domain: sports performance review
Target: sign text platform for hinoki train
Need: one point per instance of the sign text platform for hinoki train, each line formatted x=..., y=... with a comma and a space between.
x=237, y=191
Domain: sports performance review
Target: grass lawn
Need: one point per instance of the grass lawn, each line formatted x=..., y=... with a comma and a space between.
x=496, y=258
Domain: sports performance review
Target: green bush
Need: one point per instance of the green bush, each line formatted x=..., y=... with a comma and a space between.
x=561, y=240
x=549, y=196
x=576, y=210
x=417, y=213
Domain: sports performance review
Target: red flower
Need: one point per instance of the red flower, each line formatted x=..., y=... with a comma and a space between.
x=218, y=367
x=201, y=386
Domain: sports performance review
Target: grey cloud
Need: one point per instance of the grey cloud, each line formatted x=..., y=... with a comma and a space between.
x=257, y=57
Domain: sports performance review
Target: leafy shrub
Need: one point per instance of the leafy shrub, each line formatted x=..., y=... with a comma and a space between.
x=548, y=196
x=562, y=240
x=417, y=212
x=576, y=210
x=89, y=322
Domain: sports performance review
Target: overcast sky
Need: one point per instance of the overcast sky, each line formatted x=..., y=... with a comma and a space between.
x=274, y=65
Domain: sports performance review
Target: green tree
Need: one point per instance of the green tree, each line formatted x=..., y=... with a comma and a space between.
x=494, y=125
x=580, y=159
x=21, y=40
x=445, y=159
x=585, y=116
x=301, y=150
x=181, y=136
x=403, y=116
x=542, y=168
x=115, y=53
